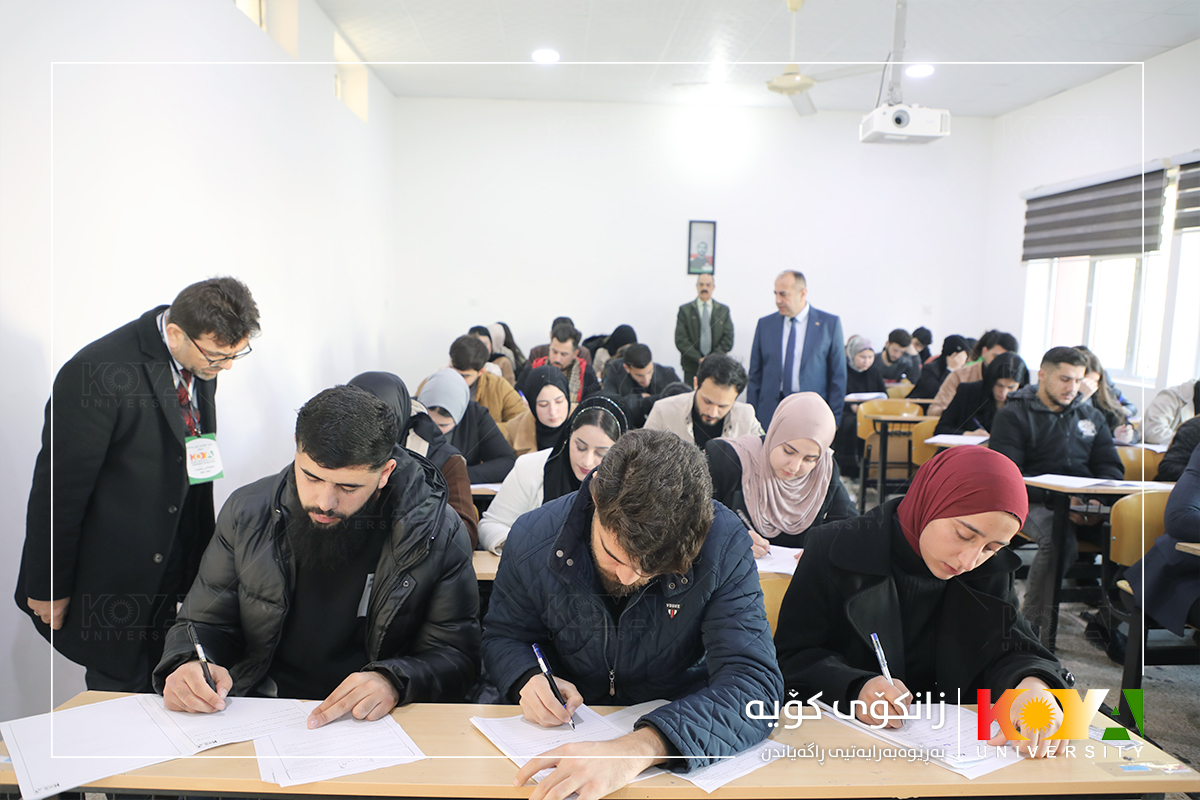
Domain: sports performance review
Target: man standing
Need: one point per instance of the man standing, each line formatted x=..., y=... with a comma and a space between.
x=564, y=354
x=345, y=577
x=897, y=361
x=990, y=345
x=1049, y=428
x=712, y=410
x=637, y=587
x=129, y=430
x=702, y=326
x=800, y=349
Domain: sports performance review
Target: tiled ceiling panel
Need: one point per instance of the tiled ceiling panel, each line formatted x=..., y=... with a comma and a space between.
x=740, y=44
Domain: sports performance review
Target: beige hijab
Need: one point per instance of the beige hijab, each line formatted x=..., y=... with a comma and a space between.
x=787, y=506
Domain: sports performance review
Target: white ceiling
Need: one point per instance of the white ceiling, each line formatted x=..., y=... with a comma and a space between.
x=740, y=44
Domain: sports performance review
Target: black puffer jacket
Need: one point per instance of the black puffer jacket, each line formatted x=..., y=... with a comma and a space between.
x=422, y=622
x=1175, y=460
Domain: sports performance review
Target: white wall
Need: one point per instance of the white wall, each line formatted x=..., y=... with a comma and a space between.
x=163, y=175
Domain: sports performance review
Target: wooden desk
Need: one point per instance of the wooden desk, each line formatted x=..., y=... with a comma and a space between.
x=463, y=763
x=1188, y=547
x=486, y=563
x=882, y=421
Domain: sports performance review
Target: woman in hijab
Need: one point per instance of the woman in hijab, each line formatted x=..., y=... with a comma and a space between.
x=418, y=434
x=954, y=355
x=622, y=336
x=929, y=573
x=468, y=425
x=549, y=474
x=786, y=482
x=510, y=347
x=545, y=389
x=862, y=376
x=975, y=404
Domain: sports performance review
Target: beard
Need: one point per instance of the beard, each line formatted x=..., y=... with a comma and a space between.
x=612, y=584
x=329, y=546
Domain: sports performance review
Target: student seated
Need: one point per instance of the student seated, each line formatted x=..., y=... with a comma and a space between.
x=862, y=376
x=279, y=604
x=637, y=381
x=786, y=482
x=594, y=427
x=468, y=426
x=498, y=363
x=897, y=359
x=990, y=345
x=417, y=433
x=503, y=341
x=954, y=355
x=930, y=574
x=565, y=353
x=974, y=407
x=922, y=339
x=606, y=348
x=1169, y=409
x=1097, y=390
x=468, y=357
x=542, y=351
x=545, y=389
x=591, y=578
x=711, y=409
x=1175, y=460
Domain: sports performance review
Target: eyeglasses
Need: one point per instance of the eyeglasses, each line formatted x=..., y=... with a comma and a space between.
x=212, y=362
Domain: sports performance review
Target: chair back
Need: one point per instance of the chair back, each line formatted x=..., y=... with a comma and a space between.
x=866, y=427
x=774, y=587
x=921, y=431
x=1152, y=460
x=1134, y=459
x=900, y=390
x=1137, y=520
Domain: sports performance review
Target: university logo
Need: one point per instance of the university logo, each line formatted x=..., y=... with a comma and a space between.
x=672, y=610
x=1054, y=714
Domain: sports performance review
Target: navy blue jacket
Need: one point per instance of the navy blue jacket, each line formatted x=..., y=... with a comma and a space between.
x=699, y=639
x=822, y=364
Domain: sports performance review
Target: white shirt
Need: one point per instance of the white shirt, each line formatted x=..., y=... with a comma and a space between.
x=520, y=493
x=801, y=331
x=177, y=369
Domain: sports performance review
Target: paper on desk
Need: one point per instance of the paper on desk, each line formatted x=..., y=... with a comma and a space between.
x=862, y=397
x=1075, y=482
x=90, y=743
x=724, y=770
x=779, y=559
x=346, y=746
x=244, y=718
x=1157, y=448
x=494, y=487
x=954, y=440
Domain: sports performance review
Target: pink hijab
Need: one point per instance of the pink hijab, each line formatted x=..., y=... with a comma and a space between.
x=787, y=506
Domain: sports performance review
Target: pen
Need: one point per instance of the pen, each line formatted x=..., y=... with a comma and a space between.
x=887, y=674
x=545, y=665
x=203, y=660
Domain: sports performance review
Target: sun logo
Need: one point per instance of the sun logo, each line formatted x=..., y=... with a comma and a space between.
x=1038, y=714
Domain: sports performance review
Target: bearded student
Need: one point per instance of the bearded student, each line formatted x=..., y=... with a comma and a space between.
x=344, y=577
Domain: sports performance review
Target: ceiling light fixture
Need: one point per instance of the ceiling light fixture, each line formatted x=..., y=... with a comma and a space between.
x=545, y=56
x=919, y=71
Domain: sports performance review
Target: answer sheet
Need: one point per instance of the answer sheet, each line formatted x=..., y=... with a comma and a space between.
x=779, y=559
x=243, y=718
x=954, y=439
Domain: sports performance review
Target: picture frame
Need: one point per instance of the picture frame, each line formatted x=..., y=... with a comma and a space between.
x=702, y=247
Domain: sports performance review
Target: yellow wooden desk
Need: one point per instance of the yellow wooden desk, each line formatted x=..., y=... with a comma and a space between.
x=1188, y=547
x=882, y=422
x=463, y=763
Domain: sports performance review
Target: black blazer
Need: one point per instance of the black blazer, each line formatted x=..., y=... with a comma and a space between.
x=844, y=590
x=687, y=333
x=726, y=470
x=120, y=491
x=489, y=455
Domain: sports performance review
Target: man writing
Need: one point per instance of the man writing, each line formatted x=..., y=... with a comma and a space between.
x=712, y=410
x=636, y=587
x=702, y=326
x=344, y=577
x=130, y=511
x=897, y=360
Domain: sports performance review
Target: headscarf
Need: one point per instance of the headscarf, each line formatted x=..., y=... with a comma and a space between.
x=778, y=506
x=959, y=482
x=496, y=331
x=535, y=381
x=855, y=346
x=953, y=344
x=390, y=389
x=558, y=478
x=448, y=390
x=621, y=336
x=1005, y=365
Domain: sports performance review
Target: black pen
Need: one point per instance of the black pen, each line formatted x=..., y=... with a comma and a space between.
x=545, y=665
x=203, y=660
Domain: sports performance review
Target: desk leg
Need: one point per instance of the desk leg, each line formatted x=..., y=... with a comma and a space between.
x=1058, y=535
x=883, y=459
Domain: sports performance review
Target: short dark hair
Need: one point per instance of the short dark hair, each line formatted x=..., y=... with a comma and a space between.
x=654, y=493
x=562, y=321
x=923, y=335
x=1007, y=341
x=481, y=330
x=467, y=352
x=1057, y=356
x=638, y=356
x=566, y=332
x=346, y=427
x=222, y=307
x=900, y=337
x=723, y=370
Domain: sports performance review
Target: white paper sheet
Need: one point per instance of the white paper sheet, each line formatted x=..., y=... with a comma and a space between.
x=1074, y=482
x=862, y=397
x=954, y=440
x=721, y=772
x=494, y=487
x=243, y=718
x=779, y=559
x=1157, y=448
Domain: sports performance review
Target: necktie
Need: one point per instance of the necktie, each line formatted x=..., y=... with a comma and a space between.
x=789, y=357
x=185, y=404
x=705, y=330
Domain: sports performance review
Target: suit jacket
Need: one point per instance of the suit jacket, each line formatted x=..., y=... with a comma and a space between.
x=822, y=365
x=674, y=414
x=120, y=491
x=687, y=334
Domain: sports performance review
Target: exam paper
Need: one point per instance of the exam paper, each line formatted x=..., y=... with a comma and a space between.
x=954, y=440
x=862, y=397
x=779, y=559
x=244, y=718
x=346, y=746
x=724, y=770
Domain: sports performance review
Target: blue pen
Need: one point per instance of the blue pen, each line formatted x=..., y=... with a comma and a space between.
x=545, y=665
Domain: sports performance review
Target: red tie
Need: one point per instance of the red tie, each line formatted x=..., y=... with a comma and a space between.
x=185, y=403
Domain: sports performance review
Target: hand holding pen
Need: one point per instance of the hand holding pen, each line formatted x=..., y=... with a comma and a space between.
x=885, y=689
x=547, y=700
x=197, y=686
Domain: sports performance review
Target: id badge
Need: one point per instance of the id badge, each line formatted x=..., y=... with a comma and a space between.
x=203, y=459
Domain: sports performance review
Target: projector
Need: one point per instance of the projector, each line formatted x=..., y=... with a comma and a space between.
x=904, y=124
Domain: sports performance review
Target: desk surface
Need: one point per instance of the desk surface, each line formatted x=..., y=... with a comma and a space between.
x=1188, y=547
x=1082, y=490
x=463, y=763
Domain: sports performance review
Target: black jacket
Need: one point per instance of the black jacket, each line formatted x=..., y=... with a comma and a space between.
x=1074, y=441
x=489, y=455
x=932, y=375
x=869, y=380
x=726, y=470
x=967, y=411
x=121, y=499
x=844, y=590
x=422, y=620
x=1184, y=443
x=620, y=384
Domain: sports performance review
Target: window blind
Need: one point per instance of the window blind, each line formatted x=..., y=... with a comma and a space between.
x=1115, y=218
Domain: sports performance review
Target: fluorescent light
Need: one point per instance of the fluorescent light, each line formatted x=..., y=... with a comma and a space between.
x=545, y=56
x=919, y=71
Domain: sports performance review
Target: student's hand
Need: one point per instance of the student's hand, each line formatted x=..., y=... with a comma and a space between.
x=758, y=544
x=186, y=689
x=52, y=612
x=1035, y=746
x=590, y=768
x=852, y=406
x=799, y=553
x=539, y=704
x=979, y=432
x=1088, y=387
x=368, y=695
x=1124, y=433
x=878, y=689
x=1088, y=518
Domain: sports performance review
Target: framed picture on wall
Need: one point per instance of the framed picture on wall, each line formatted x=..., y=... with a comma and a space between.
x=702, y=247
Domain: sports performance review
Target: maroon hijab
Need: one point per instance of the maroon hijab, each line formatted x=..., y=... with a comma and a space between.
x=959, y=482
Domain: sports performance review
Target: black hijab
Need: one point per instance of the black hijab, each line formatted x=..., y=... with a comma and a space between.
x=391, y=389
x=538, y=379
x=1005, y=365
x=621, y=336
x=559, y=477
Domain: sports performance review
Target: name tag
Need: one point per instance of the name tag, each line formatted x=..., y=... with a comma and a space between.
x=365, y=602
x=203, y=459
